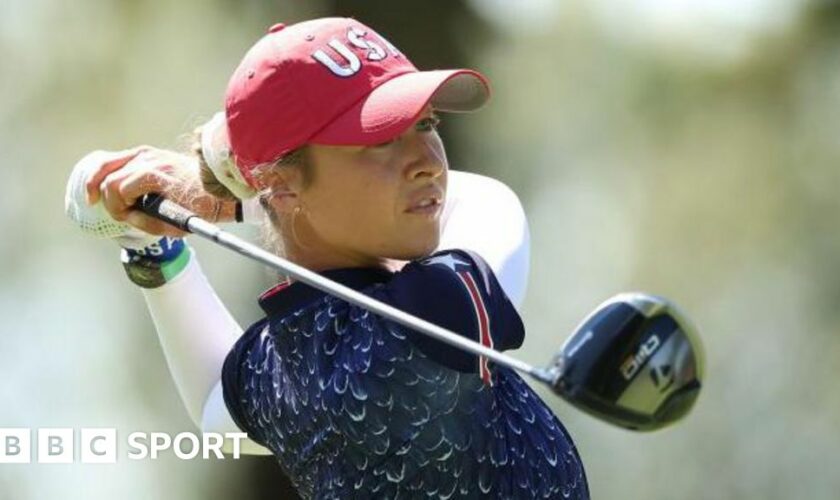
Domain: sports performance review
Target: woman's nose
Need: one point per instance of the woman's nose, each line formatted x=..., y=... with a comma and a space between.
x=423, y=158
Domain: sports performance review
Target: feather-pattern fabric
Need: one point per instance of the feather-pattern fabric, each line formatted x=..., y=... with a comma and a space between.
x=352, y=409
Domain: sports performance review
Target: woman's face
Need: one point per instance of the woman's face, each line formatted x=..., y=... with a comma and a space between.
x=366, y=203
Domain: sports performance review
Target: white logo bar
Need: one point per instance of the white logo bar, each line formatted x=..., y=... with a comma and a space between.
x=100, y=445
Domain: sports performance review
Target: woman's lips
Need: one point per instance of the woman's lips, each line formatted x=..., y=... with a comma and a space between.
x=426, y=210
x=426, y=202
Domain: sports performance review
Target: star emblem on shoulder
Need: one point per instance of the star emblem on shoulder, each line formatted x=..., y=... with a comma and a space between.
x=449, y=260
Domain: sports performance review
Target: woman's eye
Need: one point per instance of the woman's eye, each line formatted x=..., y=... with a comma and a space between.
x=384, y=144
x=428, y=124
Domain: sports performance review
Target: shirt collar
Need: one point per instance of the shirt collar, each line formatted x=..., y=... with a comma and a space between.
x=290, y=295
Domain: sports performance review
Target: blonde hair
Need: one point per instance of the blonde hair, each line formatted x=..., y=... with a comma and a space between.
x=271, y=229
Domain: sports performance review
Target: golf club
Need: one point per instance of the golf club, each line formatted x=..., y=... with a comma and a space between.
x=635, y=362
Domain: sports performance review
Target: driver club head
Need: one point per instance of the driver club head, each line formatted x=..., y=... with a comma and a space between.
x=635, y=362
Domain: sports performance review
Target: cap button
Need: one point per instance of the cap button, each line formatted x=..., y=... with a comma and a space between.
x=277, y=27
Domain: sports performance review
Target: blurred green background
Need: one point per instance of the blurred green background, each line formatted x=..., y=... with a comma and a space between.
x=688, y=148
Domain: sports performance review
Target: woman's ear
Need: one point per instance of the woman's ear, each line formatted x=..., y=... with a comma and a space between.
x=284, y=185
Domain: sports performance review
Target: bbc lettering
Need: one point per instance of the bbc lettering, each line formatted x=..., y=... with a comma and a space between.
x=15, y=446
x=99, y=445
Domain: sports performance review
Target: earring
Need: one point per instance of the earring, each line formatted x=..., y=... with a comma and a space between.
x=295, y=213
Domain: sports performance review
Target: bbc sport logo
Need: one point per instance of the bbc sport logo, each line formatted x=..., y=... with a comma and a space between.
x=100, y=445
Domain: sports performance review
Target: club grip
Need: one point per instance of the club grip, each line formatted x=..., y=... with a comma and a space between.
x=157, y=206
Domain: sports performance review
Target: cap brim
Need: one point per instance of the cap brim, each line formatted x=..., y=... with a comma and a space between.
x=393, y=106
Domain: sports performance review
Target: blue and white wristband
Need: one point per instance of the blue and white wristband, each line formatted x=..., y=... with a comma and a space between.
x=156, y=264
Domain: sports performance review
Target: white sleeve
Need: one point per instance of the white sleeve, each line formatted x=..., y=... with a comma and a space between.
x=196, y=332
x=252, y=211
x=217, y=418
x=484, y=215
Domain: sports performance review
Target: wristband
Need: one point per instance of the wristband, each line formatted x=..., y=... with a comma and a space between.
x=164, y=249
x=157, y=264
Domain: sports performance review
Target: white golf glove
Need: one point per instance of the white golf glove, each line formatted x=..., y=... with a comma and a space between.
x=95, y=219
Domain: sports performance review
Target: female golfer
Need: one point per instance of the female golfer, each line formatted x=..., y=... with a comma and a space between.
x=334, y=131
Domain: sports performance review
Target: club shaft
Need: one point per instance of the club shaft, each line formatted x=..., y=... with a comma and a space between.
x=210, y=231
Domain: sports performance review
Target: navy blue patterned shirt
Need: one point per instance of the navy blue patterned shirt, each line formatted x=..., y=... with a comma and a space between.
x=356, y=406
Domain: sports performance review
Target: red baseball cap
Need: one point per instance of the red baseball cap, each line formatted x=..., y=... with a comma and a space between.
x=332, y=81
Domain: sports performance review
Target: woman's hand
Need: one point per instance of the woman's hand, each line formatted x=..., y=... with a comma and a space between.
x=121, y=177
